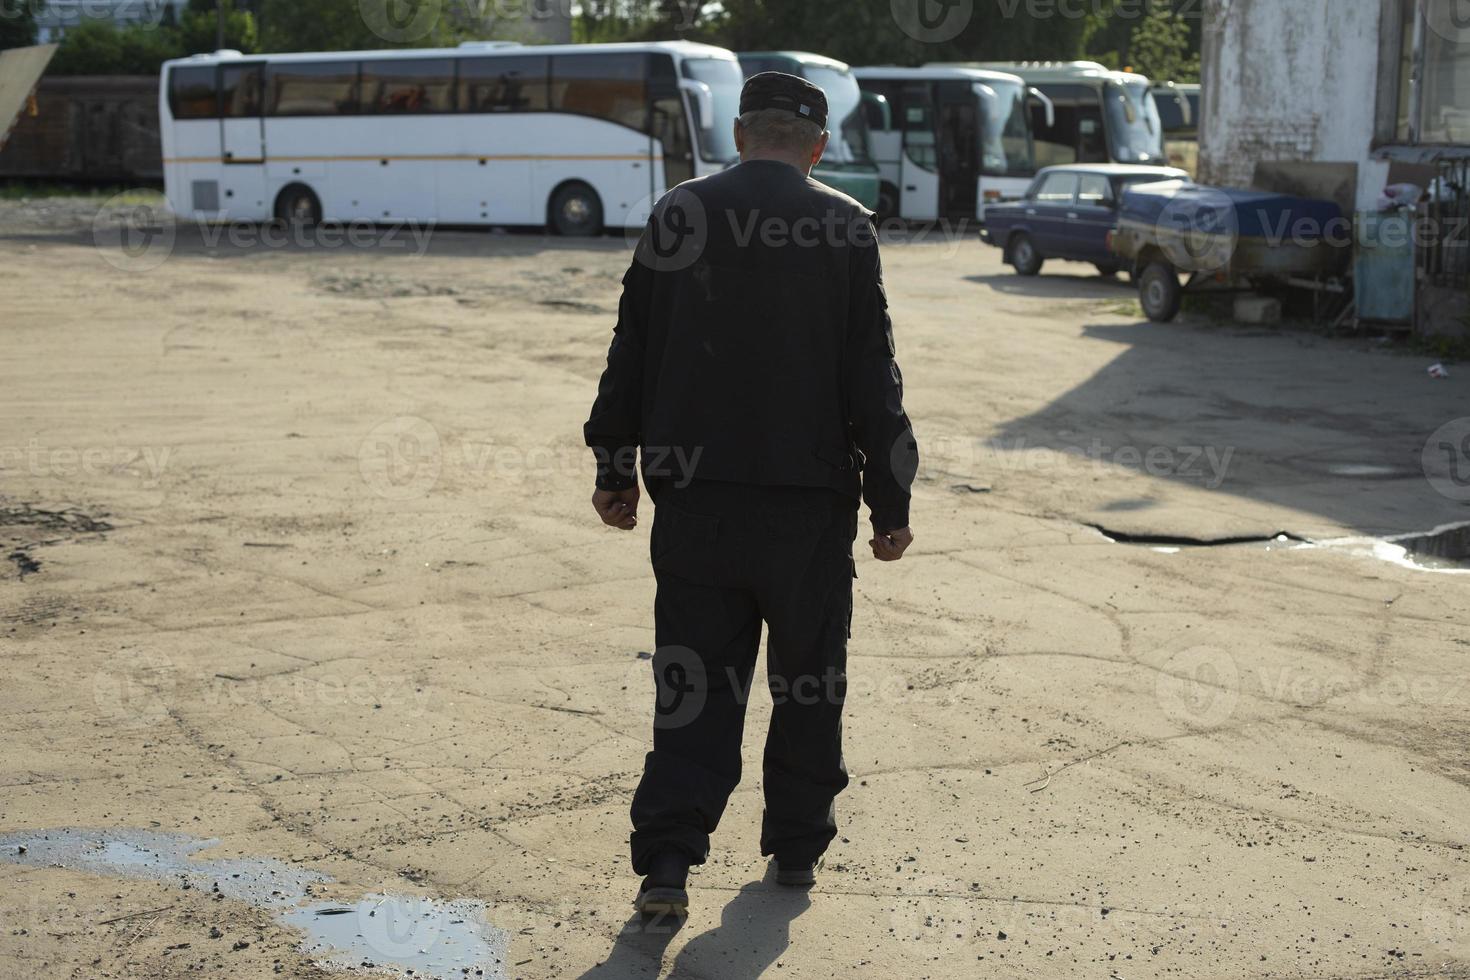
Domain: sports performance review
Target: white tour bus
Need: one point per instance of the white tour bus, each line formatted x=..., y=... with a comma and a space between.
x=574, y=137
x=948, y=140
x=1101, y=116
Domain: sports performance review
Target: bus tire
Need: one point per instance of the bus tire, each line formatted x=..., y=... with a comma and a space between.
x=887, y=201
x=575, y=210
x=1160, y=293
x=298, y=205
x=1022, y=254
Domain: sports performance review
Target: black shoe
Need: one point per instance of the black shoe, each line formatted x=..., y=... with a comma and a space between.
x=663, y=891
x=797, y=874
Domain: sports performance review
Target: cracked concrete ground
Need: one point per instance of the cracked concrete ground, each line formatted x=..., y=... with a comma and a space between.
x=316, y=575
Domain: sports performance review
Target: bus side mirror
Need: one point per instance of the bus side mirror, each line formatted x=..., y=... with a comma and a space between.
x=1046, y=103
x=878, y=113
x=704, y=99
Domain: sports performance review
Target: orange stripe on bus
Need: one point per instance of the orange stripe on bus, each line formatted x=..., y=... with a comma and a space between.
x=488, y=156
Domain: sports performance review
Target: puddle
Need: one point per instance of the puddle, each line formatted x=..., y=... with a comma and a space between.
x=1445, y=549
x=433, y=939
x=419, y=936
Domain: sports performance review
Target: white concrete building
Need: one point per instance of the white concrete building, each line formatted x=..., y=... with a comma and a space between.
x=1339, y=99
x=1334, y=82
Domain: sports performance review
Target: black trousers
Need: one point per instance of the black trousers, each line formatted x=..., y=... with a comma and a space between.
x=728, y=557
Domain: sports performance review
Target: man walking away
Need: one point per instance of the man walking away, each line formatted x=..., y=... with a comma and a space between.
x=753, y=366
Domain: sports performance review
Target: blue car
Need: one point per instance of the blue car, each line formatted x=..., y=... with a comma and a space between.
x=1066, y=214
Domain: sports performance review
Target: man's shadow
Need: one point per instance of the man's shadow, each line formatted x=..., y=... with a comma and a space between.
x=754, y=930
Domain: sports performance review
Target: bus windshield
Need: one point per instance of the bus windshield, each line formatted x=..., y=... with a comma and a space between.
x=1005, y=139
x=849, y=142
x=716, y=136
x=1135, y=134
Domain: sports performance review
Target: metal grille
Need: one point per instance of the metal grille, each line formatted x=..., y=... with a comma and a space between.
x=1444, y=258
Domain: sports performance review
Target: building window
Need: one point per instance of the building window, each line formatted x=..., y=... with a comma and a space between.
x=1435, y=34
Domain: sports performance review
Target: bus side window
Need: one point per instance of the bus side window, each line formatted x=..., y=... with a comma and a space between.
x=608, y=86
x=191, y=93
x=504, y=84
x=408, y=86
x=328, y=88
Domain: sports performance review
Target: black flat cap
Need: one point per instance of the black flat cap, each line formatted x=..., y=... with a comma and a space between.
x=778, y=90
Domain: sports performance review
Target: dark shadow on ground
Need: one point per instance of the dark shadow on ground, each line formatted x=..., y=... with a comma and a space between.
x=754, y=930
x=1330, y=427
x=1059, y=285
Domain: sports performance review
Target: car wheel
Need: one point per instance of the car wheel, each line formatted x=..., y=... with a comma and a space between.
x=1024, y=257
x=1107, y=269
x=297, y=205
x=1159, y=292
x=575, y=211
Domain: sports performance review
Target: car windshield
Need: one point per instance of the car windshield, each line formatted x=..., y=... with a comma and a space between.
x=1005, y=137
x=849, y=143
x=716, y=136
x=1135, y=134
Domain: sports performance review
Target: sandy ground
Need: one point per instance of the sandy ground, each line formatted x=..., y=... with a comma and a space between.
x=300, y=558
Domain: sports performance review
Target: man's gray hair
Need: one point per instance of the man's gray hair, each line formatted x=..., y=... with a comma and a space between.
x=779, y=129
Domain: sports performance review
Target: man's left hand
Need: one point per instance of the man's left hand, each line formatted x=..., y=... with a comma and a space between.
x=617, y=508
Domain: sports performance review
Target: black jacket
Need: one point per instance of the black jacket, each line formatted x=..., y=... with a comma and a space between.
x=753, y=346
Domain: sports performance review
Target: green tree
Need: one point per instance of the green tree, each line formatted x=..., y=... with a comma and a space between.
x=199, y=27
x=99, y=47
x=1161, y=46
x=348, y=25
x=17, y=24
x=860, y=32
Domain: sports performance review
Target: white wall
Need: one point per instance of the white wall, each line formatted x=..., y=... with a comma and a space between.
x=1290, y=80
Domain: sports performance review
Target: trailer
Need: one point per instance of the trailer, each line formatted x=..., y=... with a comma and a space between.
x=1177, y=237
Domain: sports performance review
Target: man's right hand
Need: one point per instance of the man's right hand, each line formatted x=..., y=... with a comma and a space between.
x=617, y=508
x=890, y=545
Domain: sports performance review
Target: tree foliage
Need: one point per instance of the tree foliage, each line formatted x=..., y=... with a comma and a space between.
x=17, y=24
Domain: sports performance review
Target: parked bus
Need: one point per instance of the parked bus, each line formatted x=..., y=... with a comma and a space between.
x=1101, y=116
x=948, y=140
x=576, y=138
x=848, y=162
x=1179, y=115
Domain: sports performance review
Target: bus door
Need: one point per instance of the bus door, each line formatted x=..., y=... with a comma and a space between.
x=1076, y=134
x=959, y=150
x=241, y=101
x=669, y=124
x=919, y=162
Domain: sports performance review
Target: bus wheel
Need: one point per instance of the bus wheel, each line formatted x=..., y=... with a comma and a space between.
x=297, y=205
x=575, y=211
x=887, y=201
x=1024, y=257
x=1160, y=292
